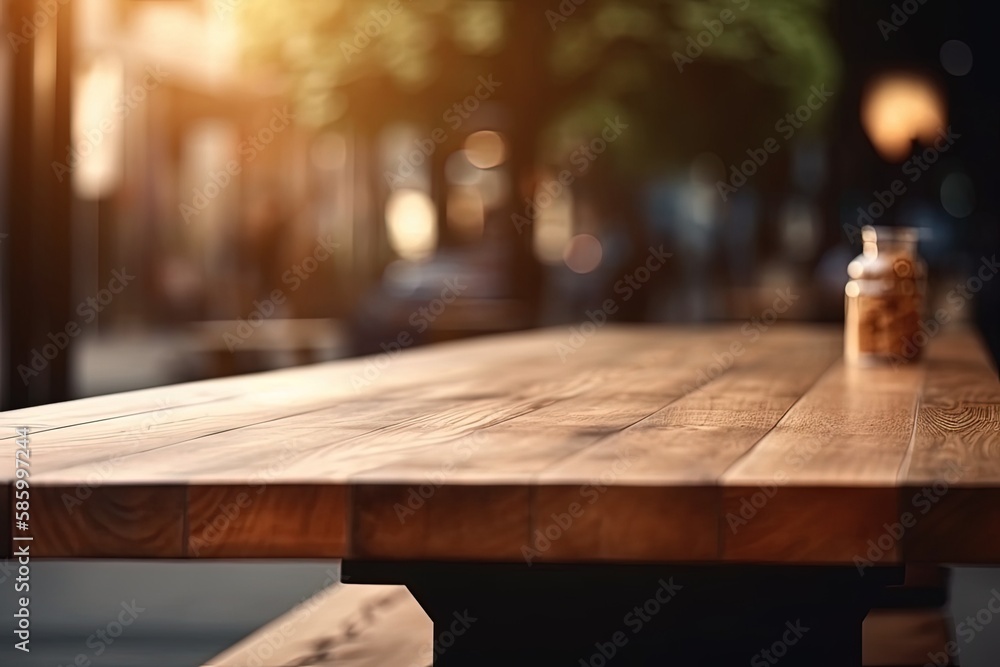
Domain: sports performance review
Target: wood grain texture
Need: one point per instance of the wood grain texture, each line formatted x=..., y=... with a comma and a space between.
x=824, y=525
x=108, y=521
x=675, y=428
x=264, y=520
x=345, y=625
x=950, y=483
x=440, y=523
x=594, y=522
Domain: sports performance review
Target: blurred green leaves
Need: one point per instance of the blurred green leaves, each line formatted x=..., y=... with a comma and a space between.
x=607, y=55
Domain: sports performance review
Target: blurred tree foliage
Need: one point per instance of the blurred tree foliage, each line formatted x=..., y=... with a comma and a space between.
x=564, y=67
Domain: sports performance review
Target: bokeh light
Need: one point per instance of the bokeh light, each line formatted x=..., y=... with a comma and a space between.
x=485, y=149
x=958, y=195
x=900, y=108
x=956, y=57
x=411, y=222
x=583, y=253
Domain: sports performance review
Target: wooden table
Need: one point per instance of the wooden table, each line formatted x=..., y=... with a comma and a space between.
x=700, y=494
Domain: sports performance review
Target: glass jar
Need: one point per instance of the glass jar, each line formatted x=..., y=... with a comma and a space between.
x=884, y=298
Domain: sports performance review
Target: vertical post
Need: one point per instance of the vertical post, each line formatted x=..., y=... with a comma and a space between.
x=35, y=254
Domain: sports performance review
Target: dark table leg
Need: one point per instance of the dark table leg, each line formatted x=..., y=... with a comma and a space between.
x=489, y=615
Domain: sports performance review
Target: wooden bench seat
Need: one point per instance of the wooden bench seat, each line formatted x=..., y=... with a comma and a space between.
x=352, y=625
x=346, y=625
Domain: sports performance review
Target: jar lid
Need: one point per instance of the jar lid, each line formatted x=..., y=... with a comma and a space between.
x=870, y=234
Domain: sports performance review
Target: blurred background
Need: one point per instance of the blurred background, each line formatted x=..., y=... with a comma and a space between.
x=196, y=188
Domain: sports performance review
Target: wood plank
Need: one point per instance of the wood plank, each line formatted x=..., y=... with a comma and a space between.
x=951, y=483
x=226, y=452
x=959, y=420
x=265, y=520
x=852, y=428
x=640, y=379
x=593, y=522
x=272, y=397
x=346, y=625
x=98, y=408
x=674, y=429
x=665, y=504
x=821, y=484
x=317, y=453
x=813, y=525
x=487, y=456
x=111, y=522
x=398, y=372
x=462, y=522
x=702, y=431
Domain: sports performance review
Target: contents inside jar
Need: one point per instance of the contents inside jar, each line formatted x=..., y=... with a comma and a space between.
x=884, y=299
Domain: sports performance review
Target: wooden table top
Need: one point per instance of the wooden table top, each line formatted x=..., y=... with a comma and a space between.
x=642, y=443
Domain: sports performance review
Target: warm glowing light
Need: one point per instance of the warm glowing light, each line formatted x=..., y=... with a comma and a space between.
x=485, y=149
x=898, y=109
x=852, y=289
x=411, y=221
x=583, y=253
x=98, y=130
